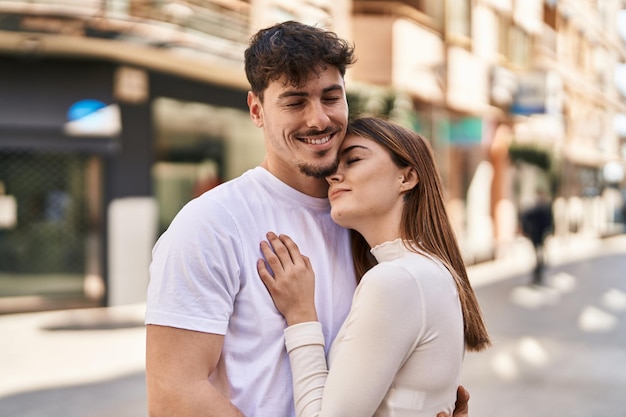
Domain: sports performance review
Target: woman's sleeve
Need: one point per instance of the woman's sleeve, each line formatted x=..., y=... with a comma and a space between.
x=305, y=345
x=381, y=330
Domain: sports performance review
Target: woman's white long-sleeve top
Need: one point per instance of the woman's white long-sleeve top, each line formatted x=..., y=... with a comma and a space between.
x=399, y=352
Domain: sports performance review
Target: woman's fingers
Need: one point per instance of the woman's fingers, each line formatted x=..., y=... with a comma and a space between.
x=285, y=252
x=285, y=248
x=283, y=258
x=292, y=248
x=271, y=257
x=289, y=278
x=265, y=275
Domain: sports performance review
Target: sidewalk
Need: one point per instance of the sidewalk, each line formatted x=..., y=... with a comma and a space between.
x=519, y=257
x=69, y=349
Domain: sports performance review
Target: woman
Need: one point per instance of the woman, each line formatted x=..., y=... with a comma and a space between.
x=400, y=351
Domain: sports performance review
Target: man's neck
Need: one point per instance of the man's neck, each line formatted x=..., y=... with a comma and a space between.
x=314, y=187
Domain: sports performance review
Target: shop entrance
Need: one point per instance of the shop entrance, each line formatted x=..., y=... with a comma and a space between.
x=50, y=236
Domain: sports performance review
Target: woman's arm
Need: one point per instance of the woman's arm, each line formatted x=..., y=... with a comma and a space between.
x=380, y=331
x=373, y=350
x=292, y=287
x=305, y=345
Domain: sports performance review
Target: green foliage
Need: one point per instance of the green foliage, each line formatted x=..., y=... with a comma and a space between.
x=531, y=155
x=377, y=102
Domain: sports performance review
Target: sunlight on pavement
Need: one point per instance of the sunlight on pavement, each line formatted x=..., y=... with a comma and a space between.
x=508, y=365
x=533, y=297
x=563, y=282
x=531, y=351
x=615, y=300
x=593, y=319
x=64, y=348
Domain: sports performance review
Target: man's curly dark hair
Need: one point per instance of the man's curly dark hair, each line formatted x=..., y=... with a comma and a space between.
x=293, y=50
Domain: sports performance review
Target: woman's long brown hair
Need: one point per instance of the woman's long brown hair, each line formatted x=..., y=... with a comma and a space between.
x=425, y=221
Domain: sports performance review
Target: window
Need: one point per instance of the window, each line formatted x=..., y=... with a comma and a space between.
x=504, y=24
x=459, y=17
x=549, y=15
x=519, y=47
x=513, y=42
x=428, y=12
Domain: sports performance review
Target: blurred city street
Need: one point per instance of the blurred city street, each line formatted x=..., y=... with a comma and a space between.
x=558, y=350
x=116, y=113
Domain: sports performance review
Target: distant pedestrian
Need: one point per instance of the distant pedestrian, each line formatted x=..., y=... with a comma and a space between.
x=537, y=223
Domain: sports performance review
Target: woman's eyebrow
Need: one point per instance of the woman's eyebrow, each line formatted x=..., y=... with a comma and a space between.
x=351, y=148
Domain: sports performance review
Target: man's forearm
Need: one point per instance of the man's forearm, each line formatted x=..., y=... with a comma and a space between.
x=197, y=400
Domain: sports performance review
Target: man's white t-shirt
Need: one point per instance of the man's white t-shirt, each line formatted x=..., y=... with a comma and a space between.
x=203, y=277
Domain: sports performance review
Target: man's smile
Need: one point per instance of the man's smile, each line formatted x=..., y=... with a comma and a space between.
x=316, y=141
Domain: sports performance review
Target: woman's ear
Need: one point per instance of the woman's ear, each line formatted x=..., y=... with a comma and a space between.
x=409, y=179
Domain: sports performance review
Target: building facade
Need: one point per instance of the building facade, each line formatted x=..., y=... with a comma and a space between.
x=516, y=96
x=113, y=114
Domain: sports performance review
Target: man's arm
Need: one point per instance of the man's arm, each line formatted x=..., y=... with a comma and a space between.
x=178, y=364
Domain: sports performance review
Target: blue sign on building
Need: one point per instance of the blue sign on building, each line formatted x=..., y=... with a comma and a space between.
x=530, y=97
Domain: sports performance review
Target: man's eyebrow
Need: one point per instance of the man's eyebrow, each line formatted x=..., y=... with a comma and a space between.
x=294, y=93
x=332, y=88
x=288, y=94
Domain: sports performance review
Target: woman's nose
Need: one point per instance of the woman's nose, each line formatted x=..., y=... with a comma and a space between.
x=332, y=178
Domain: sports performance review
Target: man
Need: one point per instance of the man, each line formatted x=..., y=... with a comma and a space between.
x=215, y=342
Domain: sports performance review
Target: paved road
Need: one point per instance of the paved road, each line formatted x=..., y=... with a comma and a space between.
x=558, y=351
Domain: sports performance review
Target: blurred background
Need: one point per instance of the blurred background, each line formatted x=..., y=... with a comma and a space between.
x=115, y=113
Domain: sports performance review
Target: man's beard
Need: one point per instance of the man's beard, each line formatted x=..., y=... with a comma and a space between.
x=319, y=172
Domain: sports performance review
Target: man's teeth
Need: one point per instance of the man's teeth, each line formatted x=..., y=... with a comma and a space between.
x=319, y=141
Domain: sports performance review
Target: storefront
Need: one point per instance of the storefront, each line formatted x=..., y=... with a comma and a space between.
x=89, y=179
